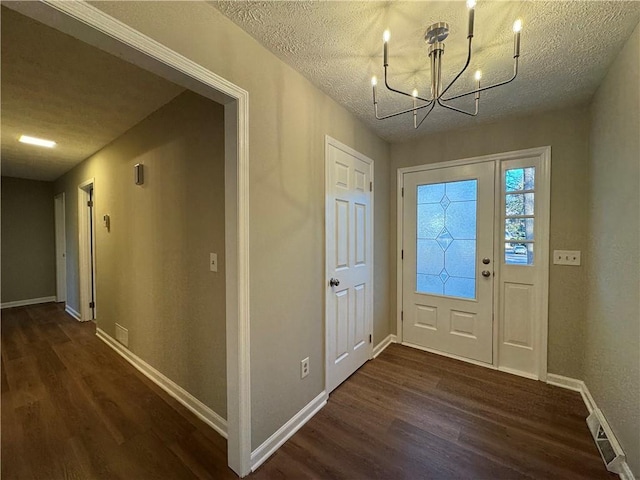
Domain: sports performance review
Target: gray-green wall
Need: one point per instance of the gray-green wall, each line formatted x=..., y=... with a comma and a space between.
x=28, y=240
x=288, y=121
x=152, y=266
x=612, y=326
x=566, y=131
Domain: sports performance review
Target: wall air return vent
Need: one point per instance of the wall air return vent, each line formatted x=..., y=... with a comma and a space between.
x=608, y=446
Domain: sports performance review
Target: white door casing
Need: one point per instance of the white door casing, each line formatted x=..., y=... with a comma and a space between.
x=521, y=292
x=349, y=261
x=447, y=301
x=86, y=264
x=61, y=248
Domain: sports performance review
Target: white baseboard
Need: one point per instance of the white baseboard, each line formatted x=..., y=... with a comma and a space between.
x=377, y=350
x=565, y=382
x=626, y=474
x=590, y=403
x=575, y=385
x=588, y=400
x=28, y=301
x=519, y=373
x=201, y=411
x=284, y=433
x=72, y=311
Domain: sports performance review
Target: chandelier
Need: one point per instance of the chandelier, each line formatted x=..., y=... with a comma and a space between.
x=434, y=37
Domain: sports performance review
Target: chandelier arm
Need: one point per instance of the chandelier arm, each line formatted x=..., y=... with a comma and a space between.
x=515, y=74
x=471, y=114
x=386, y=84
x=461, y=71
x=425, y=117
x=375, y=105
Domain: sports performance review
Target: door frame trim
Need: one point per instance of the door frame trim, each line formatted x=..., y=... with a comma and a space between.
x=86, y=263
x=332, y=141
x=544, y=218
x=94, y=26
x=61, y=246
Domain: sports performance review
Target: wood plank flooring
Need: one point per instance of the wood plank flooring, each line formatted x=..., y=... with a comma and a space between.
x=73, y=409
x=410, y=414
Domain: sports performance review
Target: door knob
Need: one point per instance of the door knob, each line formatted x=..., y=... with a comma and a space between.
x=334, y=282
x=486, y=273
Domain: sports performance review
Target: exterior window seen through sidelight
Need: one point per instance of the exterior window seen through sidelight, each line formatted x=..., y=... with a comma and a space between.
x=519, y=216
x=446, y=239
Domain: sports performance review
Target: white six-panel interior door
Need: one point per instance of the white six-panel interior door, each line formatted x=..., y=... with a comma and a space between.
x=349, y=261
x=473, y=259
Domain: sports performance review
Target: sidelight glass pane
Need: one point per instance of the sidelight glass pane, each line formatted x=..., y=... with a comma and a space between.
x=520, y=179
x=518, y=229
x=518, y=253
x=519, y=204
x=446, y=238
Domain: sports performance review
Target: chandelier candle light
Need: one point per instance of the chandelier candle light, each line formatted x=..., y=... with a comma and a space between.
x=434, y=37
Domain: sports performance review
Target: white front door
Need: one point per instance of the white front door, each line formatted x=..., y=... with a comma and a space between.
x=447, y=249
x=349, y=261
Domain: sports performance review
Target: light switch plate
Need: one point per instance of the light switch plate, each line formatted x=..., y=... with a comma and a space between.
x=566, y=257
x=213, y=262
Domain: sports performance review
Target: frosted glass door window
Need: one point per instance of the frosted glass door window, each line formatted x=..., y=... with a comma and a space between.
x=446, y=239
x=519, y=188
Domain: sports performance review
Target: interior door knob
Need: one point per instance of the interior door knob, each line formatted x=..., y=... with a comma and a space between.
x=334, y=282
x=486, y=273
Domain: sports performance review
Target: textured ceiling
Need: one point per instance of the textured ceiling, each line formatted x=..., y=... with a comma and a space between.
x=567, y=48
x=58, y=88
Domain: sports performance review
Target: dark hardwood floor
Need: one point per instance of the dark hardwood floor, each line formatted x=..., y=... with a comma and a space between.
x=73, y=409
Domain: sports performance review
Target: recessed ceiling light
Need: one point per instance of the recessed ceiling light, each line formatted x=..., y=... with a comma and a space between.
x=37, y=141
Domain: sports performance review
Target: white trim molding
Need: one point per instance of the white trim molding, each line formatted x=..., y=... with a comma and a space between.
x=199, y=409
x=626, y=473
x=581, y=387
x=285, y=432
x=28, y=301
x=73, y=312
x=565, y=382
x=379, y=348
x=575, y=385
x=86, y=249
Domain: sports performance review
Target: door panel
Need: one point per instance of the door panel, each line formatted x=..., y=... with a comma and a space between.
x=447, y=232
x=349, y=224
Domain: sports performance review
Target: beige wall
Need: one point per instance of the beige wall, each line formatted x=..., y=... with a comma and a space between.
x=152, y=266
x=289, y=119
x=612, y=340
x=28, y=240
x=566, y=131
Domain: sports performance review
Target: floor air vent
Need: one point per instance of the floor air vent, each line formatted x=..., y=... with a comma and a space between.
x=609, y=448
